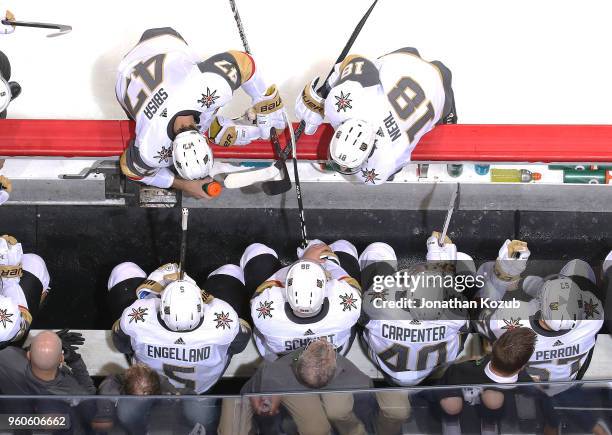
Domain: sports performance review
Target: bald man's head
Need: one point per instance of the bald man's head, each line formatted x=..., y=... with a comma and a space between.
x=46, y=351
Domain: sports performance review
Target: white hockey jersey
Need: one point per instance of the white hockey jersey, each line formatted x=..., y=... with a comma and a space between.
x=194, y=359
x=558, y=355
x=12, y=320
x=400, y=93
x=278, y=330
x=161, y=78
x=409, y=350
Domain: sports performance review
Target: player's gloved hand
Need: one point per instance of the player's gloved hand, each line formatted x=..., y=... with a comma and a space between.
x=227, y=132
x=7, y=28
x=159, y=279
x=310, y=108
x=11, y=253
x=6, y=187
x=317, y=251
x=512, y=260
x=435, y=252
x=70, y=343
x=269, y=111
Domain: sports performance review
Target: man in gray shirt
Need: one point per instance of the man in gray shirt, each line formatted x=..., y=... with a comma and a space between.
x=45, y=369
x=315, y=368
x=50, y=367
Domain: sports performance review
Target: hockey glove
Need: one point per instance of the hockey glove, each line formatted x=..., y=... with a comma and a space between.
x=7, y=28
x=227, y=132
x=309, y=107
x=6, y=187
x=10, y=259
x=512, y=260
x=269, y=112
x=70, y=343
x=435, y=252
x=158, y=280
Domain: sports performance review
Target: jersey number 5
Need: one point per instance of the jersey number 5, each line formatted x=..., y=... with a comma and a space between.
x=405, y=104
x=151, y=74
x=173, y=372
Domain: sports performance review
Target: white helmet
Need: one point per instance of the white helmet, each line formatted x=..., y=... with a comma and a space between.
x=192, y=156
x=181, y=306
x=579, y=268
x=424, y=284
x=351, y=145
x=560, y=303
x=305, y=288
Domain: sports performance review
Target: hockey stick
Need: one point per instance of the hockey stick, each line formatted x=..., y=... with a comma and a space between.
x=183, y=252
x=245, y=43
x=324, y=89
x=272, y=188
x=298, y=187
x=62, y=28
x=454, y=202
x=279, y=166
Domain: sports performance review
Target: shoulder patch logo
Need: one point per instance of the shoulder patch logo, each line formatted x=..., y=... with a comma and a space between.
x=138, y=314
x=382, y=295
x=343, y=102
x=223, y=320
x=348, y=301
x=209, y=98
x=369, y=176
x=309, y=332
x=179, y=341
x=590, y=308
x=558, y=343
x=164, y=154
x=264, y=309
x=5, y=317
x=512, y=323
x=554, y=306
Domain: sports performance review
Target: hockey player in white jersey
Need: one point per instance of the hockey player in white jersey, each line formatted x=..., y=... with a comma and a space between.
x=379, y=110
x=314, y=298
x=184, y=333
x=409, y=344
x=174, y=97
x=566, y=314
x=24, y=284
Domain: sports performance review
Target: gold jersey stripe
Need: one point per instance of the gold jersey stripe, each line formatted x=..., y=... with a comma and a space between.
x=268, y=284
x=125, y=169
x=246, y=65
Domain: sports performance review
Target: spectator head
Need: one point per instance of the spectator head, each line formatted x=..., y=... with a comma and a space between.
x=512, y=351
x=316, y=366
x=141, y=380
x=45, y=354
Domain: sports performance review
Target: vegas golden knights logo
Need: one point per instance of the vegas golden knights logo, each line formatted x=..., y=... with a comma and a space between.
x=554, y=306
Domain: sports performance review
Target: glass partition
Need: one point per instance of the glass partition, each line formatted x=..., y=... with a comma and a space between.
x=571, y=407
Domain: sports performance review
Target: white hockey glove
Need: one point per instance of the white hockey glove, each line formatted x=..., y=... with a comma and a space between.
x=435, y=252
x=7, y=28
x=269, y=111
x=310, y=108
x=11, y=253
x=6, y=187
x=324, y=252
x=512, y=260
x=227, y=132
x=158, y=280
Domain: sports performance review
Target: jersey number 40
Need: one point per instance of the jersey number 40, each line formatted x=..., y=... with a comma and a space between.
x=397, y=356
